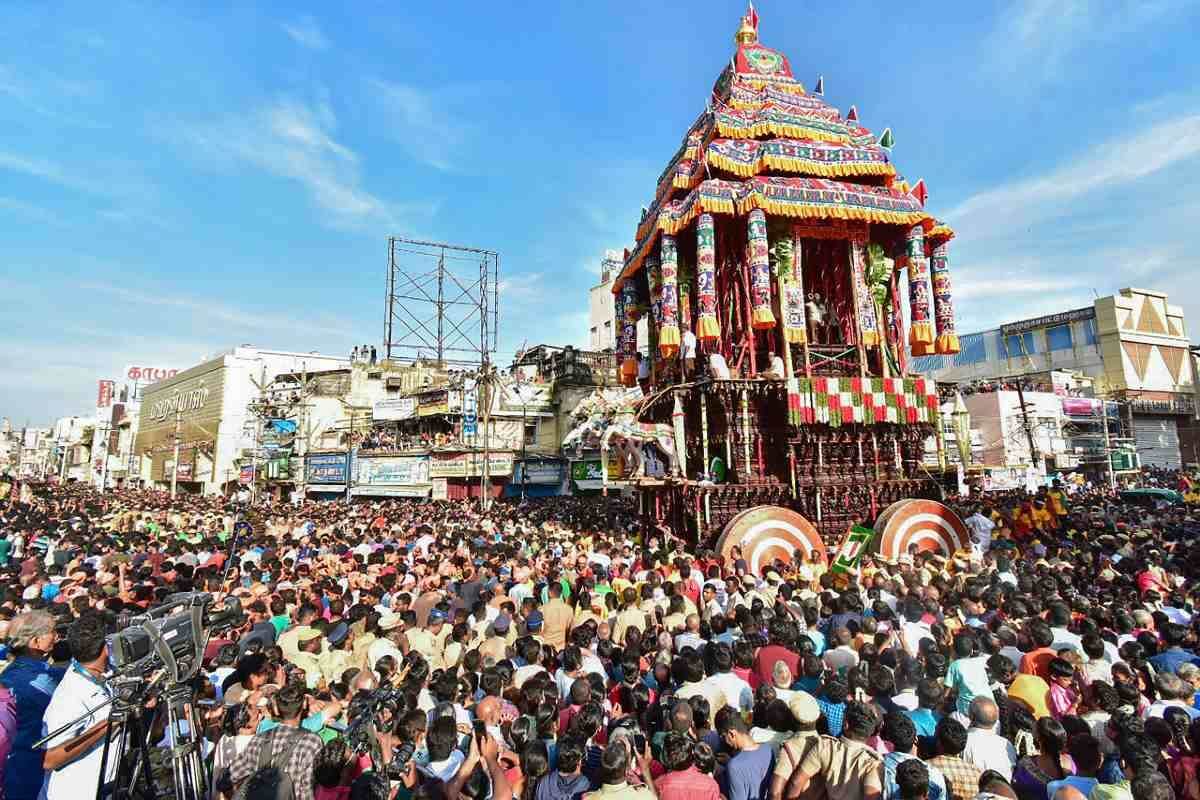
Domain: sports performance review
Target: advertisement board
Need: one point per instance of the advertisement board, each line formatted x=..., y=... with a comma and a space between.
x=1080, y=406
x=470, y=423
x=469, y=465
x=394, y=409
x=146, y=375
x=439, y=401
x=190, y=408
x=587, y=475
x=104, y=394
x=1061, y=318
x=328, y=468
x=538, y=472
x=440, y=489
x=246, y=476
x=393, y=471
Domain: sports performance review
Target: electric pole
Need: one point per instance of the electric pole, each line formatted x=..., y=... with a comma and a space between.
x=1034, y=456
x=175, y=461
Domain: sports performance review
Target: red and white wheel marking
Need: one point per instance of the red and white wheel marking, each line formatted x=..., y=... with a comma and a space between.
x=923, y=525
x=765, y=533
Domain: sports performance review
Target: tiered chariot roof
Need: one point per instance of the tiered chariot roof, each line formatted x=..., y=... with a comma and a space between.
x=765, y=142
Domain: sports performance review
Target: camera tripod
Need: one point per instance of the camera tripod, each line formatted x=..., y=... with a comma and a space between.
x=128, y=740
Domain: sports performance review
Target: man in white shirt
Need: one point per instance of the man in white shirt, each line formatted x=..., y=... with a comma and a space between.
x=1059, y=616
x=1172, y=693
x=737, y=692
x=987, y=749
x=981, y=529
x=687, y=352
x=842, y=657
x=73, y=757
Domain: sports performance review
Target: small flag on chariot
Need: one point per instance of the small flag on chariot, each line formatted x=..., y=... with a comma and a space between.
x=857, y=540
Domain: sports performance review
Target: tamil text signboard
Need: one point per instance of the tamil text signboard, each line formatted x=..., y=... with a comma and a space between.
x=393, y=471
x=329, y=468
x=394, y=409
x=469, y=465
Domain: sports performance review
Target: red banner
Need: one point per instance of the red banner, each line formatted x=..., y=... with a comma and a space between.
x=104, y=395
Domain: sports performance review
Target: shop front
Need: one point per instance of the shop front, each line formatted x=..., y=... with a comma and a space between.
x=463, y=473
x=587, y=474
x=390, y=476
x=325, y=473
x=541, y=477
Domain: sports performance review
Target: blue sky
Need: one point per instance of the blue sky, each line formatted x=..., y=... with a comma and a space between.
x=179, y=178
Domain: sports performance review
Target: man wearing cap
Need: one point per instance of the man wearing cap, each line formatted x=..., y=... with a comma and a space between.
x=851, y=768
x=534, y=622
x=308, y=657
x=793, y=751
x=429, y=641
x=288, y=640
x=393, y=642
x=495, y=646
x=337, y=658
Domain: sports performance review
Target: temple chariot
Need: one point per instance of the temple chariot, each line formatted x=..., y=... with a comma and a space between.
x=786, y=273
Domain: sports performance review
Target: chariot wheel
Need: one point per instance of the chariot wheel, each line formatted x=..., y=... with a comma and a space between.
x=765, y=533
x=923, y=525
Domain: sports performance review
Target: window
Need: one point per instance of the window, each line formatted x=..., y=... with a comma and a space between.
x=973, y=350
x=1059, y=338
x=1089, y=331
x=531, y=432
x=1019, y=345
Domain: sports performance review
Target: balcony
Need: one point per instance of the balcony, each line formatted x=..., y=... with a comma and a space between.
x=570, y=366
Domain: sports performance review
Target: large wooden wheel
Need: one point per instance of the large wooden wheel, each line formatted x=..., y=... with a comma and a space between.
x=765, y=533
x=921, y=525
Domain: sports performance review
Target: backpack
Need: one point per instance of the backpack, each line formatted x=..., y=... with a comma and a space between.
x=268, y=781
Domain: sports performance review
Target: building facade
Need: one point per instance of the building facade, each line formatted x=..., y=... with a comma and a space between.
x=1133, y=345
x=601, y=324
x=197, y=429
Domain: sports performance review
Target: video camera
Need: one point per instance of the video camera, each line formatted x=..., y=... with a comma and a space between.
x=171, y=637
x=366, y=717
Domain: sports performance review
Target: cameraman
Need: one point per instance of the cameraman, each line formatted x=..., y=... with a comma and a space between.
x=73, y=757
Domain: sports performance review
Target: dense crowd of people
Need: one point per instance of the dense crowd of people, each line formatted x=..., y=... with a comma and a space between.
x=555, y=649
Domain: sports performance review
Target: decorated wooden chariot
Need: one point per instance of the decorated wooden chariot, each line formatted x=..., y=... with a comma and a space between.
x=777, y=408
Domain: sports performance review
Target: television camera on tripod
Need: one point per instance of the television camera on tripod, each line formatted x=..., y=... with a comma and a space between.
x=155, y=657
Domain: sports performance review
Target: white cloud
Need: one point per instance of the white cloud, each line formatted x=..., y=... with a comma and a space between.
x=1035, y=38
x=47, y=171
x=420, y=124
x=48, y=94
x=1115, y=163
x=208, y=308
x=30, y=211
x=295, y=141
x=41, y=380
x=306, y=33
x=524, y=288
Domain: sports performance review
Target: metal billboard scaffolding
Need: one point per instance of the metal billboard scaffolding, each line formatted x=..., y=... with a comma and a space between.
x=441, y=302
